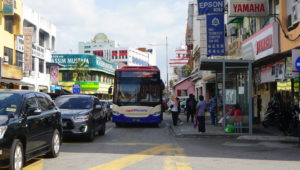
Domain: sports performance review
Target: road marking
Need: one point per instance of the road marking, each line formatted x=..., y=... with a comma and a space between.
x=176, y=160
x=133, y=159
x=37, y=165
x=135, y=144
x=108, y=130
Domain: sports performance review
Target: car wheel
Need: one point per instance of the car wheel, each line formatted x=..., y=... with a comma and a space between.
x=91, y=133
x=55, y=145
x=16, y=160
x=102, y=130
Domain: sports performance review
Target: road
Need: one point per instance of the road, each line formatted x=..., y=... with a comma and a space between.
x=152, y=148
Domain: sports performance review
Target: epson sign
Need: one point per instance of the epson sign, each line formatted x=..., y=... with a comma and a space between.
x=210, y=7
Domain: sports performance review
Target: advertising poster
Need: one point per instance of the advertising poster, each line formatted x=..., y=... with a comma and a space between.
x=54, y=75
x=230, y=97
x=210, y=7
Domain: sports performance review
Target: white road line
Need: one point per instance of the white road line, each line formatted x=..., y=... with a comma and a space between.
x=108, y=130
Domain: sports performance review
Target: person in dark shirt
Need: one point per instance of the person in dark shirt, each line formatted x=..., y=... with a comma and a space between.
x=191, y=107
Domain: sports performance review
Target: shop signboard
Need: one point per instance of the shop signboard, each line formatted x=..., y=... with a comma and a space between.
x=273, y=72
x=89, y=85
x=296, y=60
x=96, y=62
x=261, y=44
x=8, y=7
x=215, y=35
x=28, y=33
x=210, y=7
x=248, y=8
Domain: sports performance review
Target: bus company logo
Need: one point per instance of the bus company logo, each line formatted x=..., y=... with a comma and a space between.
x=136, y=110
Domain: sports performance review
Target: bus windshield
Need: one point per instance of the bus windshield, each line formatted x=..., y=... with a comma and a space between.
x=138, y=91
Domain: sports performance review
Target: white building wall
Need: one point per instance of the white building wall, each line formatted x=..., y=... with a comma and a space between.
x=39, y=80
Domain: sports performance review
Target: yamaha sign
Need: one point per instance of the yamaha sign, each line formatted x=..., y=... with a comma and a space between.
x=251, y=8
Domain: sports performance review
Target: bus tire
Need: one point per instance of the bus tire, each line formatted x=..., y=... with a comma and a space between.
x=118, y=124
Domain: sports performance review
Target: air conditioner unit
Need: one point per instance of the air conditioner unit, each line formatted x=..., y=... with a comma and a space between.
x=6, y=60
x=296, y=12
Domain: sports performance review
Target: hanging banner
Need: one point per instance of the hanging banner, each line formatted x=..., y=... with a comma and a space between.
x=250, y=8
x=8, y=7
x=210, y=7
x=215, y=35
x=28, y=33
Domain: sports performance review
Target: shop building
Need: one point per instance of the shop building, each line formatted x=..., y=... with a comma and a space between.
x=10, y=27
x=35, y=49
x=100, y=77
x=183, y=88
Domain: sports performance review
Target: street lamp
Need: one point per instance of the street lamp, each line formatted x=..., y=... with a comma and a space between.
x=167, y=59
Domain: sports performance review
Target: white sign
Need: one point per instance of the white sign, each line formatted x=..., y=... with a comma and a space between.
x=230, y=97
x=261, y=44
x=252, y=8
x=241, y=90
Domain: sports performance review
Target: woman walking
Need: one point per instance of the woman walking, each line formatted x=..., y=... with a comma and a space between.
x=173, y=104
x=201, y=114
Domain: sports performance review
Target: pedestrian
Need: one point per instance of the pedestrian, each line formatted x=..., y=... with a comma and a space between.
x=213, y=110
x=179, y=111
x=173, y=104
x=191, y=108
x=201, y=114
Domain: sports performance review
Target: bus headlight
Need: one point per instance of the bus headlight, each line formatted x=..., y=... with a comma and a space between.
x=116, y=113
x=156, y=114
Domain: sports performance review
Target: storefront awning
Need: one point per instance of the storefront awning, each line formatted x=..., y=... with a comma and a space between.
x=217, y=64
x=13, y=81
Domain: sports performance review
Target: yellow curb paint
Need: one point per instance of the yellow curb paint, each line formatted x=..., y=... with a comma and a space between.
x=38, y=165
x=132, y=159
x=176, y=160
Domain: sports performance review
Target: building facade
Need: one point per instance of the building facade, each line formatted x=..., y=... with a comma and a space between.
x=179, y=65
x=103, y=47
x=99, y=78
x=10, y=27
x=183, y=88
x=36, y=56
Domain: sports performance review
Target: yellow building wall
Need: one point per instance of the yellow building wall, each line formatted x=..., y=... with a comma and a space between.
x=8, y=39
x=285, y=44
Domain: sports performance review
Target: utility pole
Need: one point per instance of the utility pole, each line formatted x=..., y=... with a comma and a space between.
x=167, y=63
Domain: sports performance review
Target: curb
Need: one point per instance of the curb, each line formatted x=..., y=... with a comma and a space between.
x=177, y=134
x=288, y=139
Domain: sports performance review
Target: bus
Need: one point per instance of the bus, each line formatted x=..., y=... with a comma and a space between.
x=137, y=95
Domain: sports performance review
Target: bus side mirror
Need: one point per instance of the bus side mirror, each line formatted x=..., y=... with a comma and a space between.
x=110, y=90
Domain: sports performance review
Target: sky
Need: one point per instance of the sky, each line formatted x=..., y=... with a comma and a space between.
x=133, y=23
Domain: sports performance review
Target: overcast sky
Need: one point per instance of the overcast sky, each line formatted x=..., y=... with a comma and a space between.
x=130, y=22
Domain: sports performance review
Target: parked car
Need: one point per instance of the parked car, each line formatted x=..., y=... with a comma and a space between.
x=30, y=126
x=81, y=115
x=107, y=108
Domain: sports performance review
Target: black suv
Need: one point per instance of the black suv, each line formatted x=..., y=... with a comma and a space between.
x=30, y=126
x=81, y=115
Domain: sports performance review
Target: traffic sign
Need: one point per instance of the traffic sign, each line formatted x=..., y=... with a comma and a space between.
x=76, y=89
x=297, y=64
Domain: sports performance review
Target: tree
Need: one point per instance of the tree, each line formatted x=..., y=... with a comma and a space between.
x=171, y=82
x=187, y=70
x=81, y=71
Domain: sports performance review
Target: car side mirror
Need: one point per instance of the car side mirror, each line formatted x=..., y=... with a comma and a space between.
x=33, y=111
x=98, y=107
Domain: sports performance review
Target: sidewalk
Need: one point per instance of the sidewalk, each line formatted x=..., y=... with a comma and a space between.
x=187, y=130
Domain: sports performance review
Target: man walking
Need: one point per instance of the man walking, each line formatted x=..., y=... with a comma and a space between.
x=191, y=107
x=173, y=104
x=201, y=114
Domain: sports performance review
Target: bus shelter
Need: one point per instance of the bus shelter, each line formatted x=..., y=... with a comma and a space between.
x=233, y=86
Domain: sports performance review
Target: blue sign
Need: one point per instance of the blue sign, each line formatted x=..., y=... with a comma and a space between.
x=210, y=7
x=54, y=87
x=297, y=64
x=215, y=35
x=76, y=89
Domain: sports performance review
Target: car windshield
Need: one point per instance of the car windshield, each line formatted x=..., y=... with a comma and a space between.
x=74, y=102
x=9, y=103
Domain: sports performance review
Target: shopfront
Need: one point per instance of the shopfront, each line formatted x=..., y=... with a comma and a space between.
x=234, y=87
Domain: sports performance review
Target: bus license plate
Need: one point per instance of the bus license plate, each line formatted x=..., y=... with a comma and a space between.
x=136, y=120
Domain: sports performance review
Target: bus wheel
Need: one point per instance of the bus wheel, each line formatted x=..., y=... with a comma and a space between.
x=118, y=124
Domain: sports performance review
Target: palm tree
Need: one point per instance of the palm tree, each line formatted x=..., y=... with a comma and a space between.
x=81, y=70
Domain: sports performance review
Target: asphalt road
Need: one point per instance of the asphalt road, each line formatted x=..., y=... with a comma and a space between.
x=152, y=148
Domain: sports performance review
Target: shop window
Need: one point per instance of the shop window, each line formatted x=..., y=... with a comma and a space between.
x=41, y=66
x=87, y=52
x=9, y=21
x=9, y=54
x=33, y=63
x=184, y=93
x=19, y=59
x=67, y=76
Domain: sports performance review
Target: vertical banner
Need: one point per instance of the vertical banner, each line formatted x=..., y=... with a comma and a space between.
x=28, y=32
x=54, y=75
x=215, y=35
x=8, y=7
x=210, y=7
